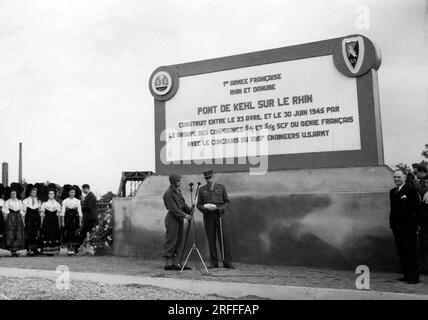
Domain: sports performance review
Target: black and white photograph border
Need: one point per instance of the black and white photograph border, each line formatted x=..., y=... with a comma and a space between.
x=240, y=151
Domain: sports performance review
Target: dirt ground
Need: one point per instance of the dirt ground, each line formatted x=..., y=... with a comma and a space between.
x=279, y=275
x=45, y=289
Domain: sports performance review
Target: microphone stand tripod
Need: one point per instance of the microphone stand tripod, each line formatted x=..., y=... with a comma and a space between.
x=194, y=247
x=188, y=222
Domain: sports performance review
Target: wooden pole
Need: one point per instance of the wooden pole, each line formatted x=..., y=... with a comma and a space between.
x=20, y=162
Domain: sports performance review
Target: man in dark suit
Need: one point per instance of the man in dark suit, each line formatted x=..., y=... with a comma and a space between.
x=403, y=220
x=213, y=202
x=89, y=211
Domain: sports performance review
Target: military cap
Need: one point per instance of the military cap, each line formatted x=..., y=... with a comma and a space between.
x=208, y=173
x=173, y=178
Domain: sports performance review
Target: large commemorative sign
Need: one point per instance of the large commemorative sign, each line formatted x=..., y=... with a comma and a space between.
x=307, y=106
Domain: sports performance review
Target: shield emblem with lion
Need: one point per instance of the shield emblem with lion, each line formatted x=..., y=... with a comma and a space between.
x=353, y=53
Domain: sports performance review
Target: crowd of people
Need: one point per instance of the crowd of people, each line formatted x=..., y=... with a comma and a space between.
x=409, y=220
x=40, y=218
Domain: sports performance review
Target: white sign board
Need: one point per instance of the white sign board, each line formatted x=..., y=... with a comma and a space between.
x=291, y=107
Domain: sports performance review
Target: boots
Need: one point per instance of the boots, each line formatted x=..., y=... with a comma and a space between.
x=169, y=265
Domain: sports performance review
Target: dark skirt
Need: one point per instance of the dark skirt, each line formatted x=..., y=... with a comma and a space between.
x=71, y=227
x=32, y=228
x=2, y=231
x=50, y=233
x=15, y=234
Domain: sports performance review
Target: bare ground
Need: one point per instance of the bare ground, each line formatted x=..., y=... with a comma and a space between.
x=279, y=275
x=45, y=289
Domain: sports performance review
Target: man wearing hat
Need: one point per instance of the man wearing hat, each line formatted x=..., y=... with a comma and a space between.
x=213, y=202
x=420, y=171
x=178, y=210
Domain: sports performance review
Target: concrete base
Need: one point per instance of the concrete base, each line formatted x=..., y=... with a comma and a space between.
x=322, y=218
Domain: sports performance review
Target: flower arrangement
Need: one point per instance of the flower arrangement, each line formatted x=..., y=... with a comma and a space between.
x=100, y=240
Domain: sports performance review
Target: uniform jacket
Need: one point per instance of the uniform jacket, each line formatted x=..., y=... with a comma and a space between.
x=404, y=208
x=217, y=196
x=89, y=207
x=421, y=186
x=422, y=189
x=174, y=203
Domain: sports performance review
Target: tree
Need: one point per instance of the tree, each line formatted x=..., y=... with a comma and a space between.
x=425, y=152
x=404, y=166
x=108, y=196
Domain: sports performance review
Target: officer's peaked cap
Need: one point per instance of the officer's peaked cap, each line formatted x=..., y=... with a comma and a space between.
x=208, y=173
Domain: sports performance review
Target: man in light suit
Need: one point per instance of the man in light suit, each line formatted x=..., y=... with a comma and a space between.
x=404, y=220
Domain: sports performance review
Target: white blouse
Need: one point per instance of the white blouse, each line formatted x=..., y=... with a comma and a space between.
x=1, y=203
x=71, y=203
x=28, y=203
x=15, y=205
x=50, y=205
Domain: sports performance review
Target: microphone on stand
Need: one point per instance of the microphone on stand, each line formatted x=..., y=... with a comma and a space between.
x=191, y=193
x=197, y=189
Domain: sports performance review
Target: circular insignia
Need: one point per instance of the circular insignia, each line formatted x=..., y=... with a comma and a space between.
x=161, y=83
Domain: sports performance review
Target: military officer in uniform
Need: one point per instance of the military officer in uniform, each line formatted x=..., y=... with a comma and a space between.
x=178, y=210
x=213, y=202
x=422, y=188
x=404, y=203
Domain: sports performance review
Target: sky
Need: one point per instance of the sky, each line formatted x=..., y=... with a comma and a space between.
x=74, y=74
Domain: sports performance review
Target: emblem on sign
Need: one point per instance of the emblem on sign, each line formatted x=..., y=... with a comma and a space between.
x=161, y=83
x=353, y=53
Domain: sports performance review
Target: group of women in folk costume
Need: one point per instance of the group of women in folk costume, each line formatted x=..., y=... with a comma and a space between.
x=37, y=221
